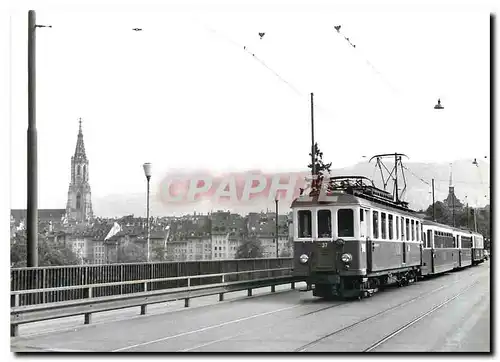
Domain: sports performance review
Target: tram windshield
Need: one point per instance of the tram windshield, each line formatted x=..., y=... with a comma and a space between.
x=324, y=224
x=345, y=222
x=305, y=223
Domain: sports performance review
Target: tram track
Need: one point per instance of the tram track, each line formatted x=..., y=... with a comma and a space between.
x=248, y=331
x=416, y=320
x=307, y=346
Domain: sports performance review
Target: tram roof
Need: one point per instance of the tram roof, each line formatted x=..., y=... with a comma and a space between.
x=343, y=198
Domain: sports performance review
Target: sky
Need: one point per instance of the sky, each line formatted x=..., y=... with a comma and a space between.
x=187, y=93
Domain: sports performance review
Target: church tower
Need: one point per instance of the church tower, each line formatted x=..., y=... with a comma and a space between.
x=79, y=206
x=451, y=200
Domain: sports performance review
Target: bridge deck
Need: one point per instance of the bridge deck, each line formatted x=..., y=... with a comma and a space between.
x=294, y=321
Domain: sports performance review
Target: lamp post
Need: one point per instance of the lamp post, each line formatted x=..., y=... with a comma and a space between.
x=277, y=238
x=32, y=207
x=147, y=172
x=438, y=105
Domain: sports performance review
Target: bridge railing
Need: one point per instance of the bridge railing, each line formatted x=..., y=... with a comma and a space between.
x=31, y=286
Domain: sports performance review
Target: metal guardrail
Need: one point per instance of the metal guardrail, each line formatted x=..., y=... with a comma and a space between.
x=40, y=312
x=46, y=283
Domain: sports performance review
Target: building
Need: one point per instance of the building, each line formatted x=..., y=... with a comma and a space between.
x=451, y=200
x=263, y=226
x=18, y=216
x=79, y=205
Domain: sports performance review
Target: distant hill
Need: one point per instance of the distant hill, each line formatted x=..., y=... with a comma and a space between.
x=469, y=180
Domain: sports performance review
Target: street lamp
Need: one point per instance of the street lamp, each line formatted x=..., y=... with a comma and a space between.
x=147, y=172
x=277, y=238
x=32, y=207
x=438, y=105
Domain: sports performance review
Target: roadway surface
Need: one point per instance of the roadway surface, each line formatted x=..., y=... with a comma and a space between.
x=449, y=313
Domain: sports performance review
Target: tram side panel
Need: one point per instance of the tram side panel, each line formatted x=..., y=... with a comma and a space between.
x=445, y=260
x=477, y=255
x=427, y=262
x=385, y=255
x=413, y=255
x=465, y=257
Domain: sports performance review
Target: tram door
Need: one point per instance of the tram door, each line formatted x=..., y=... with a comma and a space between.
x=403, y=237
x=364, y=233
x=363, y=229
x=430, y=244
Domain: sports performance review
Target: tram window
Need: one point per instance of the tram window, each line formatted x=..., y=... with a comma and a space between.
x=417, y=230
x=375, y=224
x=383, y=222
x=361, y=215
x=397, y=227
x=391, y=226
x=324, y=224
x=402, y=228
x=407, y=229
x=345, y=218
x=413, y=230
x=305, y=224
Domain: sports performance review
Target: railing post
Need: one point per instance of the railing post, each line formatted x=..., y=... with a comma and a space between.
x=90, y=292
x=145, y=286
x=250, y=292
x=43, y=286
x=186, y=302
x=14, y=330
x=273, y=288
x=221, y=297
x=88, y=318
x=121, y=279
x=16, y=300
x=293, y=285
x=143, y=309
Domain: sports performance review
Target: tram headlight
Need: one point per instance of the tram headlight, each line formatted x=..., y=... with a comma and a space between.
x=346, y=258
x=303, y=258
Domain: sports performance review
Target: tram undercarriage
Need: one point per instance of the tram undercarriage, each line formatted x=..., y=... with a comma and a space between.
x=332, y=285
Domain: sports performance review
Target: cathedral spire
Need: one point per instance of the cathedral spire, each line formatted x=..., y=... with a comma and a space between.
x=80, y=147
x=79, y=205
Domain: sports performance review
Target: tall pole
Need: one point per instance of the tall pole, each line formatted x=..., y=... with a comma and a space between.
x=453, y=208
x=475, y=220
x=313, y=157
x=148, y=177
x=396, y=176
x=277, y=238
x=467, y=212
x=32, y=207
x=433, y=203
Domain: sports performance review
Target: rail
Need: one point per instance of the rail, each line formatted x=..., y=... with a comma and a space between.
x=92, y=304
x=41, y=285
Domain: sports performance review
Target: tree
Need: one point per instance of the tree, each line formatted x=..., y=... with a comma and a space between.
x=158, y=252
x=130, y=252
x=48, y=253
x=319, y=167
x=442, y=213
x=250, y=248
